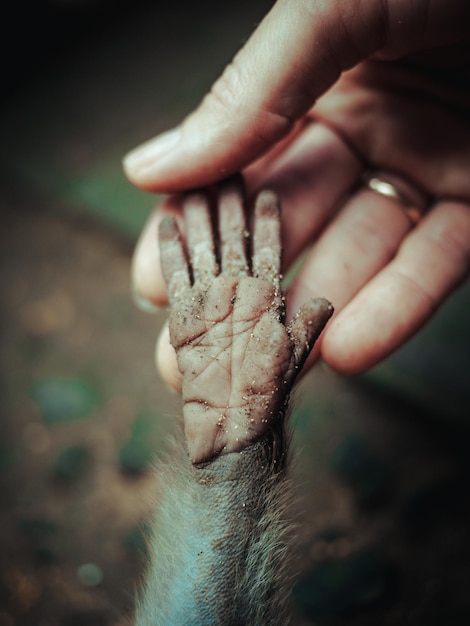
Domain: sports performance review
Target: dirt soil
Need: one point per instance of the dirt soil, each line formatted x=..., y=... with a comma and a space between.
x=383, y=504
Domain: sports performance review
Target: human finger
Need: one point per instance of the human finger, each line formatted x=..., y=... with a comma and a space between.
x=361, y=239
x=297, y=52
x=165, y=359
x=294, y=55
x=394, y=304
x=311, y=178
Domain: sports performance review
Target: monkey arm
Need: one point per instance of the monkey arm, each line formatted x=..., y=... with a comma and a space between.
x=221, y=537
x=220, y=543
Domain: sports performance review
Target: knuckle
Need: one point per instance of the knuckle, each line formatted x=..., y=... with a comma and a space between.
x=235, y=96
x=228, y=92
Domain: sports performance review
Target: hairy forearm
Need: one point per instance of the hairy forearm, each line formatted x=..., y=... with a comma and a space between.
x=220, y=540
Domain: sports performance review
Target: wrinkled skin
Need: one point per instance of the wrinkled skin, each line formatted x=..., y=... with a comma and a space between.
x=221, y=536
x=237, y=358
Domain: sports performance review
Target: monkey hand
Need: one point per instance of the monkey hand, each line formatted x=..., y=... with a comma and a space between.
x=237, y=357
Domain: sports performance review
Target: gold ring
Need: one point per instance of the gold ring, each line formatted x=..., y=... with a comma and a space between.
x=412, y=200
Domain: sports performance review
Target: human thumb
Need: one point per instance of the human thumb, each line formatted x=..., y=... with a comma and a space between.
x=296, y=53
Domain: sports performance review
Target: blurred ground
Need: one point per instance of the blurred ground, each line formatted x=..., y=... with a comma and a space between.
x=77, y=385
x=383, y=475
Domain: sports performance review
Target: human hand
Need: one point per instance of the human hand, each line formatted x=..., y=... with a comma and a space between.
x=237, y=357
x=403, y=108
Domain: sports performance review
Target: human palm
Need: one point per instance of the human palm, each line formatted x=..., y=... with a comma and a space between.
x=410, y=117
x=403, y=108
x=410, y=120
x=237, y=357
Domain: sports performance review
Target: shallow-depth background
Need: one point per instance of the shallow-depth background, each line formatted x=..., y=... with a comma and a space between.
x=383, y=476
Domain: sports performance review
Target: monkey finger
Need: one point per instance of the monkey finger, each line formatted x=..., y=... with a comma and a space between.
x=199, y=237
x=148, y=284
x=232, y=229
x=267, y=242
x=306, y=326
x=173, y=260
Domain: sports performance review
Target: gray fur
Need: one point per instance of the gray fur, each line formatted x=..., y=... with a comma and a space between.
x=220, y=542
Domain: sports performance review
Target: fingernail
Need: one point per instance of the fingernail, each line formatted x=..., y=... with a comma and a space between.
x=144, y=304
x=142, y=158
